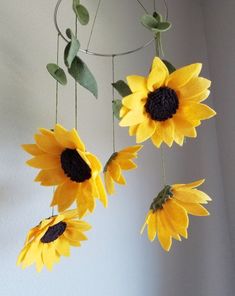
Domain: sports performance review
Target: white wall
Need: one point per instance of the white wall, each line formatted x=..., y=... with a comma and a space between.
x=116, y=260
x=220, y=24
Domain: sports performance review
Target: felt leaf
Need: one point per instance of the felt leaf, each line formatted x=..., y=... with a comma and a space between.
x=122, y=88
x=71, y=49
x=81, y=73
x=117, y=105
x=169, y=66
x=81, y=12
x=149, y=21
x=157, y=16
x=57, y=73
x=162, y=27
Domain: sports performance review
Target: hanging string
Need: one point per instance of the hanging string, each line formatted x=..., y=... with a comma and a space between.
x=56, y=96
x=154, y=5
x=75, y=83
x=57, y=83
x=113, y=118
x=159, y=52
x=93, y=25
x=142, y=6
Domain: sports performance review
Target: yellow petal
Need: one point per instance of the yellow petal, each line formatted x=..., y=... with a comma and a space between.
x=109, y=184
x=45, y=162
x=51, y=177
x=163, y=233
x=200, y=97
x=194, y=208
x=95, y=163
x=132, y=149
x=167, y=131
x=32, y=149
x=62, y=246
x=190, y=185
x=121, y=180
x=132, y=118
x=200, y=111
x=114, y=170
x=183, y=127
x=176, y=214
x=127, y=164
x=122, y=155
x=157, y=136
x=65, y=195
x=49, y=256
x=133, y=130
x=101, y=190
x=191, y=195
x=123, y=111
x=134, y=101
x=48, y=143
x=74, y=234
x=182, y=76
x=195, y=87
x=157, y=76
x=152, y=226
x=74, y=138
x=68, y=139
x=145, y=130
x=169, y=226
x=80, y=225
x=137, y=83
x=146, y=221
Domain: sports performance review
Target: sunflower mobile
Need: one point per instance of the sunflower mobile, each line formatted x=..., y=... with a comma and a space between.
x=166, y=107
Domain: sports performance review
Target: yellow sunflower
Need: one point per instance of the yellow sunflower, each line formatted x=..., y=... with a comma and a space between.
x=119, y=161
x=166, y=107
x=65, y=163
x=168, y=214
x=51, y=239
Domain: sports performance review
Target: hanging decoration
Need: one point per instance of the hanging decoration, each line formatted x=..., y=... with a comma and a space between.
x=165, y=106
x=168, y=214
x=51, y=239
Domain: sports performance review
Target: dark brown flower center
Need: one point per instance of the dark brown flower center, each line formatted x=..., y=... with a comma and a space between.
x=53, y=232
x=74, y=166
x=162, y=103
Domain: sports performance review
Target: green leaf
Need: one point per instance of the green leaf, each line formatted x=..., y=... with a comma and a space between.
x=81, y=12
x=169, y=66
x=71, y=49
x=162, y=27
x=57, y=73
x=80, y=72
x=117, y=105
x=149, y=21
x=122, y=88
x=157, y=16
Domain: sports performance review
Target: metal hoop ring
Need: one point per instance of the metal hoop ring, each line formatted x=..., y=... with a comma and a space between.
x=91, y=52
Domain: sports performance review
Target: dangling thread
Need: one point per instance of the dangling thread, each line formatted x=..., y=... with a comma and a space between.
x=142, y=6
x=75, y=83
x=159, y=51
x=113, y=118
x=93, y=25
x=56, y=94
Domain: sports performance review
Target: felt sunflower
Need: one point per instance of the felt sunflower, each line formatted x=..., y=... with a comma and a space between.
x=51, y=239
x=119, y=161
x=166, y=107
x=168, y=214
x=65, y=163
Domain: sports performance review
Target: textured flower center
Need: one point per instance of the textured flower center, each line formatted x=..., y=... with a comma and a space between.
x=53, y=232
x=162, y=197
x=75, y=166
x=162, y=103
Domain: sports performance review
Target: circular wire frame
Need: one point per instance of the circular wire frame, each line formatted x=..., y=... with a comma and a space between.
x=96, y=53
